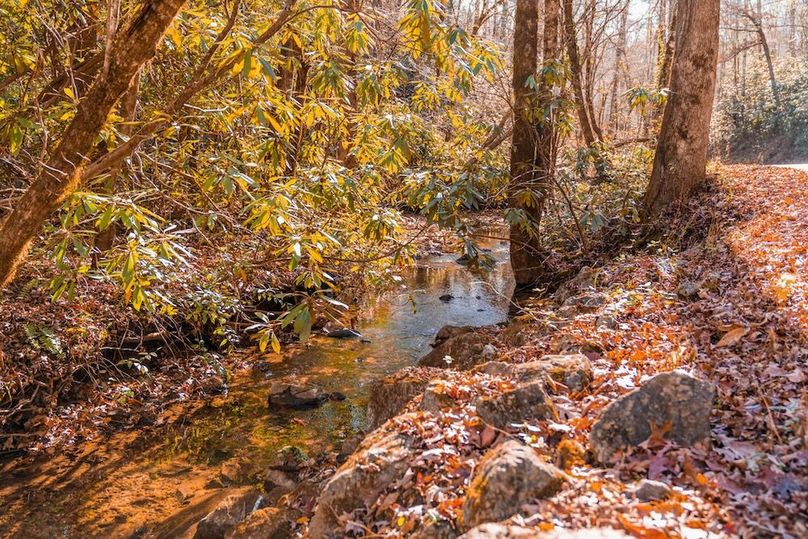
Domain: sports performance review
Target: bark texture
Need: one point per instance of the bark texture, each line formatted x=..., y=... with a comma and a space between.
x=524, y=142
x=60, y=175
x=532, y=153
x=681, y=157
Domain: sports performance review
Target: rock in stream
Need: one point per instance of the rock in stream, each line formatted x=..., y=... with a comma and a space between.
x=297, y=397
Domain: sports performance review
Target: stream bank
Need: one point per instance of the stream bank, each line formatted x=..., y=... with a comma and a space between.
x=162, y=477
x=658, y=394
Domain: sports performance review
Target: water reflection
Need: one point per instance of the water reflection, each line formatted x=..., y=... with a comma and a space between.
x=399, y=326
x=137, y=479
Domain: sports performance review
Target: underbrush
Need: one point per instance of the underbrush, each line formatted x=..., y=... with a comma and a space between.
x=750, y=125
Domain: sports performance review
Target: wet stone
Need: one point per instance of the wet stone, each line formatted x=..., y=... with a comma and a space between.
x=228, y=514
x=344, y=333
x=297, y=397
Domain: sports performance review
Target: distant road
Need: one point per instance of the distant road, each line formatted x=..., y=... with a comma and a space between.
x=801, y=166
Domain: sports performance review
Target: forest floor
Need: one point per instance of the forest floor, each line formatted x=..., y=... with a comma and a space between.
x=722, y=294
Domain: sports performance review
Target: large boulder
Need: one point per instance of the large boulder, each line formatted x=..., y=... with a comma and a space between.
x=457, y=348
x=572, y=370
x=266, y=523
x=381, y=459
x=526, y=402
x=228, y=514
x=389, y=395
x=509, y=476
x=298, y=397
x=673, y=402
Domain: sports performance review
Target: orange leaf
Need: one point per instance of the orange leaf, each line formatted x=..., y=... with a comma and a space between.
x=640, y=531
x=733, y=336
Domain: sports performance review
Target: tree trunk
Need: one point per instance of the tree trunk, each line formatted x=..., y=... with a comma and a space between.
x=575, y=68
x=665, y=59
x=619, y=66
x=524, y=241
x=681, y=156
x=532, y=154
x=757, y=22
x=60, y=176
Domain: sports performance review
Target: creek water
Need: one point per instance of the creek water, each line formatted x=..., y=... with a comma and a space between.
x=165, y=481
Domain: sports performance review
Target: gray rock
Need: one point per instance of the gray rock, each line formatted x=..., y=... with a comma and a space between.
x=649, y=491
x=688, y=290
x=607, y=321
x=518, y=333
x=447, y=332
x=489, y=352
x=348, y=446
x=508, y=476
x=436, y=397
x=675, y=399
x=389, y=395
x=572, y=370
x=297, y=397
x=228, y=514
x=584, y=280
x=464, y=348
x=266, y=523
x=586, y=302
x=527, y=402
x=381, y=459
x=495, y=368
x=436, y=530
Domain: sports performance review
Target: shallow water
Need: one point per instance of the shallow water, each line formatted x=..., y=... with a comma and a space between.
x=400, y=328
x=134, y=480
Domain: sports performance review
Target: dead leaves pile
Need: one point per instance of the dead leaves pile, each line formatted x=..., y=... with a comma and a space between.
x=745, y=328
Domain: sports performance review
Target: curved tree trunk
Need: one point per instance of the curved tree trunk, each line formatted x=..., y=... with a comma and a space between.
x=60, y=175
x=681, y=157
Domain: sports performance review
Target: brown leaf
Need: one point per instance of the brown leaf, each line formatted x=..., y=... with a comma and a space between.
x=732, y=337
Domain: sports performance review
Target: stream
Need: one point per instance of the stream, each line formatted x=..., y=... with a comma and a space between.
x=162, y=482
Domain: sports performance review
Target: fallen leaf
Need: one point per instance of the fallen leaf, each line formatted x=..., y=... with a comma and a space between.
x=732, y=337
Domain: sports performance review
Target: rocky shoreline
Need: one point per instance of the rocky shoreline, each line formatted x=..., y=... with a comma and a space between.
x=506, y=430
